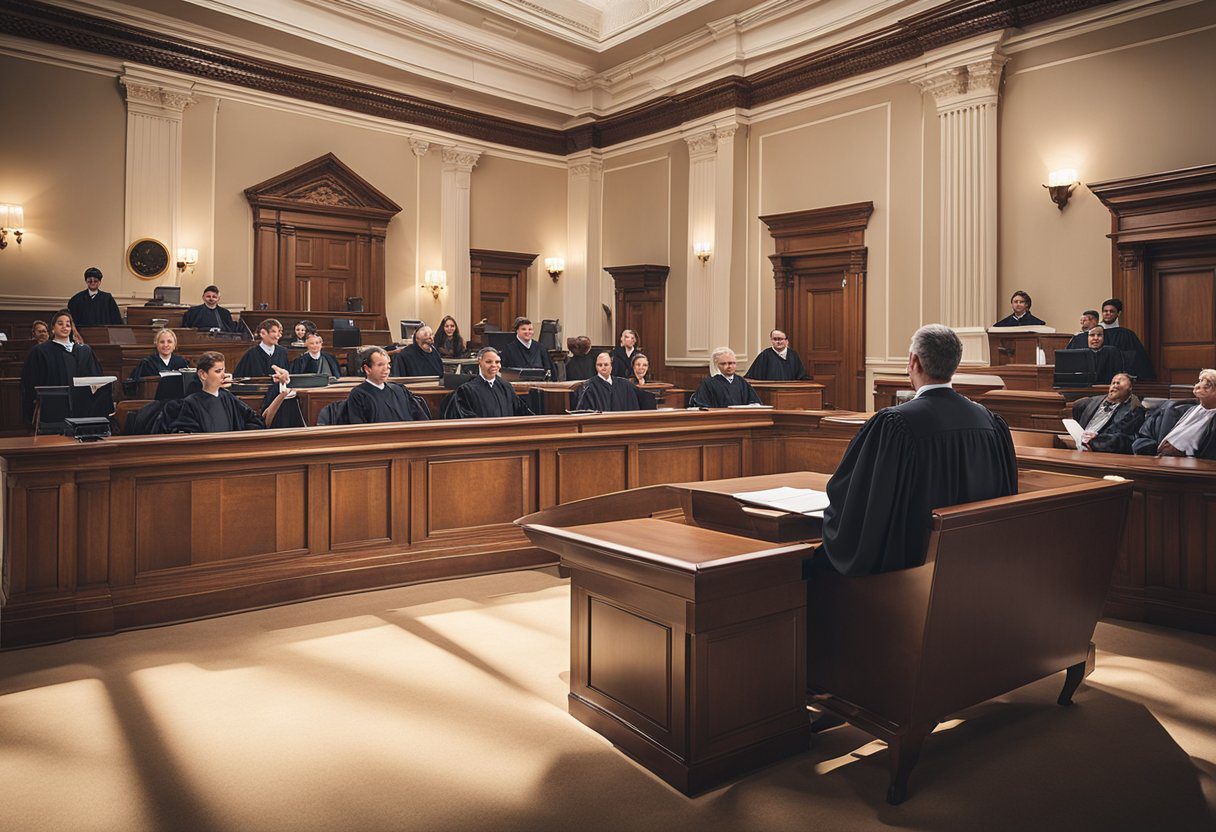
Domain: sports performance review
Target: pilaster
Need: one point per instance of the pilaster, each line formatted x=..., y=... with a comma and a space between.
x=456, y=182
x=582, y=284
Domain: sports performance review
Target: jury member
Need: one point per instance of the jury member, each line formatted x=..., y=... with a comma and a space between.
x=377, y=399
x=488, y=394
x=522, y=352
x=777, y=362
x=1185, y=428
x=163, y=358
x=209, y=314
x=91, y=306
x=605, y=391
x=938, y=449
x=726, y=387
x=581, y=364
x=623, y=354
x=214, y=410
x=448, y=340
x=262, y=356
x=1019, y=303
x=1110, y=422
x=1089, y=320
x=420, y=358
x=1106, y=360
x=1135, y=356
x=55, y=362
x=315, y=359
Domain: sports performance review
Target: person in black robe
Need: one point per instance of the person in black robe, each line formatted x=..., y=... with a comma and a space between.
x=377, y=399
x=939, y=449
x=162, y=360
x=581, y=364
x=91, y=306
x=778, y=362
x=448, y=340
x=622, y=356
x=1105, y=361
x=315, y=360
x=1110, y=422
x=605, y=393
x=1019, y=302
x=1182, y=428
x=726, y=388
x=523, y=352
x=1135, y=356
x=420, y=358
x=55, y=363
x=213, y=409
x=1089, y=320
x=488, y=394
x=209, y=314
x=263, y=357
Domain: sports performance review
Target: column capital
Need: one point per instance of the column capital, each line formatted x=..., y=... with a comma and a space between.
x=586, y=165
x=964, y=74
x=418, y=146
x=460, y=158
x=154, y=97
x=702, y=143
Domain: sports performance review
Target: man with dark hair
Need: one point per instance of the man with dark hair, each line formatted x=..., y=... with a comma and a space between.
x=91, y=306
x=55, y=363
x=215, y=410
x=1020, y=302
x=1135, y=356
x=1110, y=422
x=487, y=394
x=420, y=358
x=524, y=353
x=209, y=314
x=778, y=362
x=377, y=399
x=581, y=364
x=939, y=449
x=264, y=355
x=1089, y=320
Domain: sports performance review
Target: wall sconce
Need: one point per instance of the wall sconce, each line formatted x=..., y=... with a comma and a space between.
x=187, y=258
x=554, y=266
x=436, y=280
x=1061, y=184
x=703, y=251
x=12, y=218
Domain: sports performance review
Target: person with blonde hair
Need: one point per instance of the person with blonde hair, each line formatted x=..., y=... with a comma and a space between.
x=1186, y=428
x=163, y=358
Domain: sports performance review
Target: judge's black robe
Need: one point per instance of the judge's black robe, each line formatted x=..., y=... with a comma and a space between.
x=415, y=361
x=716, y=391
x=98, y=310
x=51, y=365
x=1105, y=361
x=598, y=394
x=580, y=367
x=1080, y=341
x=769, y=366
x=326, y=363
x=939, y=449
x=1025, y=320
x=201, y=317
x=152, y=365
x=202, y=412
x=1162, y=419
x=1115, y=437
x=367, y=404
x=516, y=356
x=1135, y=356
x=255, y=362
x=479, y=399
x=621, y=362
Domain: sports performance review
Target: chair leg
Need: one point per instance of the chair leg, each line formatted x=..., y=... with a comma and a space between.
x=1072, y=680
x=904, y=751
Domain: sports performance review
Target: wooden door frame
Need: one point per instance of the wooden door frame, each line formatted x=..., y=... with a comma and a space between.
x=825, y=240
x=644, y=283
x=498, y=261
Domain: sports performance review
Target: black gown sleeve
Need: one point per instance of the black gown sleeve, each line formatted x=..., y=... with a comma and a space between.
x=188, y=419
x=704, y=395
x=113, y=316
x=247, y=417
x=360, y=409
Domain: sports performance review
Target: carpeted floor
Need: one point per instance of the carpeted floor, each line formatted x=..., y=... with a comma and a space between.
x=443, y=706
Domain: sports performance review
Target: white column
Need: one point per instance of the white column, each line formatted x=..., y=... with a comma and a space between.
x=967, y=96
x=457, y=178
x=154, y=167
x=423, y=302
x=582, y=283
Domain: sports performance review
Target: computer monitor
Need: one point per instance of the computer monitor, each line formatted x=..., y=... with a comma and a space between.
x=346, y=333
x=409, y=327
x=498, y=340
x=167, y=295
x=54, y=405
x=354, y=304
x=1074, y=368
x=548, y=333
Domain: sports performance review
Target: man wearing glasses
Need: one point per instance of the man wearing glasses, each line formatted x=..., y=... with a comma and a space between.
x=778, y=362
x=91, y=306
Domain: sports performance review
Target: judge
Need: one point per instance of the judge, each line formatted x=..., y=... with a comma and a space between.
x=55, y=363
x=623, y=355
x=91, y=306
x=215, y=410
x=1109, y=423
x=162, y=359
x=1019, y=302
x=604, y=393
x=938, y=449
x=314, y=360
x=264, y=355
x=448, y=340
x=523, y=353
x=726, y=388
x=1106, y=361
x=1089, y=320
x=377, y=399
x=488, y=394
x=1135, y=356
x=582, y=363
x=209, y=314
x=1182, y=428
x=778, y=362
x=420, y=358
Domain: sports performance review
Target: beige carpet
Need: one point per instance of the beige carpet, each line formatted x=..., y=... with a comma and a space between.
x=442, y=706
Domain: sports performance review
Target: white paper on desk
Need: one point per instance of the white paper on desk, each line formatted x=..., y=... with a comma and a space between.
x=785, y=498
x=1075, y=431
x=738, y=406
x=94, y=383
x=164, y=373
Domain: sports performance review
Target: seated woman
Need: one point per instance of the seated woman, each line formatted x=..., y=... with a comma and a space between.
x=607, y=393
x=448, y=340
x=162, y=360
x=54, y=363
x=622, y=355
x=1107, y=361
x=215, y=410
x=639, y=369
x=301, y=332
x=1185, y=428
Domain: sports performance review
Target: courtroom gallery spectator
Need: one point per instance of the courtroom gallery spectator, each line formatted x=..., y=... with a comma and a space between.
x=1182, y=428
x=265, y=354
x=778, y=362
x=1110, y=422
x=623, y=354
x=1020, y=302
x=91, y=306
x=40, y=333
x=639, y=369
x=209, y=314
x=726, y=388
x=448, y=340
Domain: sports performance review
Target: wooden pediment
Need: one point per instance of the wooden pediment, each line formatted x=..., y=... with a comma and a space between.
x=325, y=186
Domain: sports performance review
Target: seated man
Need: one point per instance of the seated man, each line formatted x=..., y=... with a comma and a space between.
x=726, y=388
x=91, y=306
x=420, y=358
x=314, y=360
x=377, y=399
x=525, y=353
x=604, y=393
x=215, y=410
x=1182, y=428
x=55, y=363
x=264, y=355
x=939, y=449
x=1089, y=320
x=1110, y=422
x=778, y=362
x=488, y=394
x=1106, y=360
x=582, y=363
x=209, y=314
x=1135, y=356
x=1019, y=302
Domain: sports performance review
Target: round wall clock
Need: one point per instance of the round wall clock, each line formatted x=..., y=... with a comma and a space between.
x=147, y=258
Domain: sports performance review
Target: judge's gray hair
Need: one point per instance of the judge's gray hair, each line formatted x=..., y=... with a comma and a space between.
x=485, y=350
x=718, y=353
x=938, y=349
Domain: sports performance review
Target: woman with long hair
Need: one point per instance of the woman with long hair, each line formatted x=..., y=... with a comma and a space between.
x=448, y=340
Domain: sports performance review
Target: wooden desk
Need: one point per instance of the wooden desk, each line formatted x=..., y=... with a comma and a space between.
x=1022, y=347
x=790, y=395
x=289, y=318
x=1027, y=408
x=142, y=316
x=887, y=388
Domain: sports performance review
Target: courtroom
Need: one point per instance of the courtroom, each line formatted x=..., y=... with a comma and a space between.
x=608, y=415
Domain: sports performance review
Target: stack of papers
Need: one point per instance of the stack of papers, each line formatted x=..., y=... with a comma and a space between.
x=793, y=500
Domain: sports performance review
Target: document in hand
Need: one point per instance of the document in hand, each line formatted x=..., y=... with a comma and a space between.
x=785, y=498
x=1075, y=430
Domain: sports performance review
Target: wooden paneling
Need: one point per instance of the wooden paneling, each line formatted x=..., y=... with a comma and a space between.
x=591, y=472
x=1186, y=339
x=42, y=539
x=487, y=491
x=500, y=287
x=641, y=299
x=361, y=497
x=629, y=661
x=670, y=464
